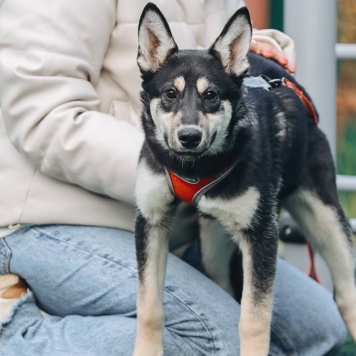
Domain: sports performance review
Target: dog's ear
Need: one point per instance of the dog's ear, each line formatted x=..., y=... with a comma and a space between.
x=155, y=40
x=233, y=44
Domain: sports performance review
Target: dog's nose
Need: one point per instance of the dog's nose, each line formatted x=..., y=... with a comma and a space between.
x=189, y=137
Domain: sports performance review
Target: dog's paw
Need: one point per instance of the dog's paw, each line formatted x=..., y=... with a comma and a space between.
x=349, y=316
x=151, y=352
x=147, y=349
x=347, y=308
x=254, y=344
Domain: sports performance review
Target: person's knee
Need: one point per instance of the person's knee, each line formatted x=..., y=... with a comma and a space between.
x=196, y=326
x=330, y=328
x=337, y=333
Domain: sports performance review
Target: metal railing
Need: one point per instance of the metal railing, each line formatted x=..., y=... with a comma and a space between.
x=347, y=184
x=345, y=50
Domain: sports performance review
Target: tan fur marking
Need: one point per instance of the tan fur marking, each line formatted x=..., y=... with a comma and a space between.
x=150, y=321
x=202, y=85
x=254, y=325
x=179, y=83
x=322, y=226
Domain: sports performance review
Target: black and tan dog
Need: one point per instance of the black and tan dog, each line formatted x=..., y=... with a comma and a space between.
x=249, y=145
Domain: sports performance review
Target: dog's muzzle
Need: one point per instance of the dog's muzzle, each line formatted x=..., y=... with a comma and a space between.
x=190, y=137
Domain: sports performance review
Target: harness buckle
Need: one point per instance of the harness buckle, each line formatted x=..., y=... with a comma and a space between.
x=276, y=83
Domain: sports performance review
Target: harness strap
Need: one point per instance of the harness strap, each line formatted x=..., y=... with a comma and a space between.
x=190, y=190
x=304, y=99
x=266, y=83
x=274, y=83
x=312, y=273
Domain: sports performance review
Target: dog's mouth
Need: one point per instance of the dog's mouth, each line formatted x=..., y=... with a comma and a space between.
x=187, y=156
x=213, y=138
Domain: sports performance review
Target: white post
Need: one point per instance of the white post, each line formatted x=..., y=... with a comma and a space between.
x=312, y=25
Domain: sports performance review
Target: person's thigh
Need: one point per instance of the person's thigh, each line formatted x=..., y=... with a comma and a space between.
x=306, y=320
x=76, y=269
x=92, y=271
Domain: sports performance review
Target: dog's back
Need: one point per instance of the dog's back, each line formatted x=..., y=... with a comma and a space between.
x=285, y=119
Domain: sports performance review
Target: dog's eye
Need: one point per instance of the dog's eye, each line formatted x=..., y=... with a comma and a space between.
x=210, y=95
x=171, y=94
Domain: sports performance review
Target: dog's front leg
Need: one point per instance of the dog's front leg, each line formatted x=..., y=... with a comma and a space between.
x=155, y=206
x=152, y=250
x=259, y=252
x=255, y=231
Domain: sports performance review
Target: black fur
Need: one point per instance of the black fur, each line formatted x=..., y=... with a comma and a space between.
x=141, y=244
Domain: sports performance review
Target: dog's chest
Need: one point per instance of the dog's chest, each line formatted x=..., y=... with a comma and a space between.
x=235, y=213
x=152, y=193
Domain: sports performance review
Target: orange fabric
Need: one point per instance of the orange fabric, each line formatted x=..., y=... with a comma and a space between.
x=185, y=190
x=304, y=99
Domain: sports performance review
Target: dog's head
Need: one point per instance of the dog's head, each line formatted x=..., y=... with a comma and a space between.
x=189, y=95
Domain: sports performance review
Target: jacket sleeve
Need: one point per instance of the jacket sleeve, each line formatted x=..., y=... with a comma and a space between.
x=278, y=40
x=51, y=54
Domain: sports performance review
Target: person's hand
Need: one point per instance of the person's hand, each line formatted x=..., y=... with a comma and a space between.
x=267, y=50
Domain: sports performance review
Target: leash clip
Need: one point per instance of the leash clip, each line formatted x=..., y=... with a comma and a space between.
x=274, y=83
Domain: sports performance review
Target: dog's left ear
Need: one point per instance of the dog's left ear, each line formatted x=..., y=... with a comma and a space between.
x=155, y=40
x=233, y=44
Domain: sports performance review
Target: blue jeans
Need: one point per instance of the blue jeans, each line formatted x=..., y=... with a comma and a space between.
x=85, y=278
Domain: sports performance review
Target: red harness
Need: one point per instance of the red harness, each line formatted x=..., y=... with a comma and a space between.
x=304, y=99
x=191, y=189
